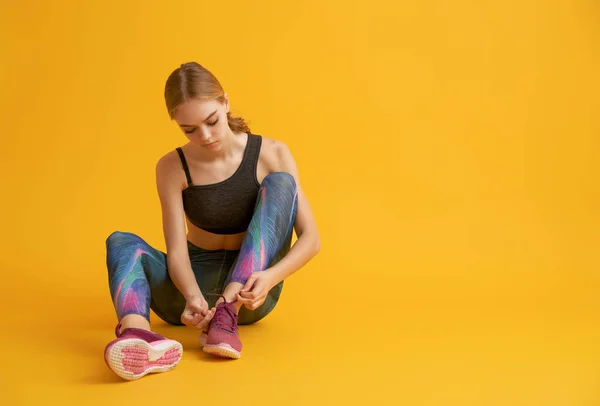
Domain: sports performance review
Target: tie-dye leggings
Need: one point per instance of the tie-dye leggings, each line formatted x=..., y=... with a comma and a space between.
x=139, y=279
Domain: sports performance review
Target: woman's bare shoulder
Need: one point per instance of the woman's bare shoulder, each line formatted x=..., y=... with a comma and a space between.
x=276, y=154
x=169, y=169
x=168, y=159
x=271, y=143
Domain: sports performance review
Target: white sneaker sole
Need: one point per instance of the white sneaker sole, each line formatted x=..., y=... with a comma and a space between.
x=134, y=358
x=222, y=350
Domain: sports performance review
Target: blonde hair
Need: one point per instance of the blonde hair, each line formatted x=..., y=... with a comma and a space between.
x=192, y=81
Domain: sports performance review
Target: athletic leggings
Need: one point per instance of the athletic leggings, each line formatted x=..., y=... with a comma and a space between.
x=138, y=275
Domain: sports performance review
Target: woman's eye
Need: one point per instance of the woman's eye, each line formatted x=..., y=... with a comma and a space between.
x=209, y=124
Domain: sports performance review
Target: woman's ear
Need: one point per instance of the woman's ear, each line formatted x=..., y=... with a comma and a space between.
x=226, y=102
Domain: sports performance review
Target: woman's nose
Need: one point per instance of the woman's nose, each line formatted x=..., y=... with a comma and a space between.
x=204, y=134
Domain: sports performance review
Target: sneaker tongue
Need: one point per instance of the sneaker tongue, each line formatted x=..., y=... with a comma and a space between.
x=225, y=317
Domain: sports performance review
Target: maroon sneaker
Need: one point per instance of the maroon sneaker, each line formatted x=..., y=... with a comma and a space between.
x=222, y=338
x=137, y=352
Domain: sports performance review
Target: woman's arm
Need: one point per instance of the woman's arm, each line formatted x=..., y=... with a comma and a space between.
x=308, y=243
x=173, y=220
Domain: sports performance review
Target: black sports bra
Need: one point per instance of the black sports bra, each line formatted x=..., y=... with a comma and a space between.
x=225, y=207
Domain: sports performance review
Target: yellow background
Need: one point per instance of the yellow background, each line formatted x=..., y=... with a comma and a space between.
x=450, y=153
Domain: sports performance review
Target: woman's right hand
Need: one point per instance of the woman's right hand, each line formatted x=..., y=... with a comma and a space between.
x=196, y=313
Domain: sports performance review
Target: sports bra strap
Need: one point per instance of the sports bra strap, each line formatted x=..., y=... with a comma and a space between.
x=185, y=166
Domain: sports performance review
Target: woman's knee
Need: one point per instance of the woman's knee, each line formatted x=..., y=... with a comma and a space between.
x=120, y=245
x=280, y=180
x=120, y=238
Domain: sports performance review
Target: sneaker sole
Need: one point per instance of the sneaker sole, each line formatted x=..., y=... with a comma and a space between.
x=134, y=358
x=222, y=350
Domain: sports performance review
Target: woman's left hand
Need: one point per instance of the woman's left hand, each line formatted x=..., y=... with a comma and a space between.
x=256, y=289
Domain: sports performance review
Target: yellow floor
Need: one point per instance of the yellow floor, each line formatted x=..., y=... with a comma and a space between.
x=355, y=349
x=449, y=151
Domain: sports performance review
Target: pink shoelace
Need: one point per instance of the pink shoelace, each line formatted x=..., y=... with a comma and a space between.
x=225, y=317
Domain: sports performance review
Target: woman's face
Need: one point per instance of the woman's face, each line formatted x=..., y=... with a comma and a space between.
x=204, y=122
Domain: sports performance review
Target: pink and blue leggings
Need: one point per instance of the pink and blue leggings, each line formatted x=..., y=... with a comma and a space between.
x=138, y=275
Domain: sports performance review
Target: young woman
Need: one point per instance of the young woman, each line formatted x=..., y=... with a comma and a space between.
x=230, y=200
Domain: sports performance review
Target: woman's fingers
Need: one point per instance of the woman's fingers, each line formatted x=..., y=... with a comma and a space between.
x=248, y=285
x=248, y=295
x=206, y=319
x=189, y=319
x=258, y=303
x=253, y=302
x=245, y=300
